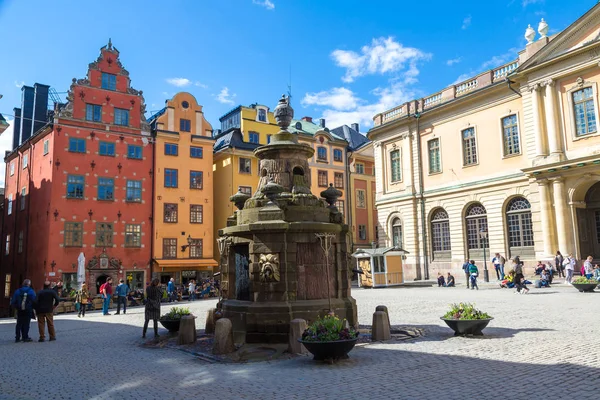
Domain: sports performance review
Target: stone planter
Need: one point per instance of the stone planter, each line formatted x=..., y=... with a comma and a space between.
x=585, y=287
x=335, y=350
x=172, y=325
x=467, y=326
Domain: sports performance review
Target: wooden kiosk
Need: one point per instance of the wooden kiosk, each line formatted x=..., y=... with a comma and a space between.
x=380, y=267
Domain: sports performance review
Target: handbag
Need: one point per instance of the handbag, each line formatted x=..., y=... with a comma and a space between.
x=77, y=306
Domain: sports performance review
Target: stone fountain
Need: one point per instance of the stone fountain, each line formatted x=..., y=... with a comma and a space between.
x=285, y=251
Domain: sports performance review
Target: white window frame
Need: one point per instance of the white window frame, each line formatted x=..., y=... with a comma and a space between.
x=12, y=168
x=462, y=146
x=569, y=92
x=508, y=114
x=439, y=139
x=389, y=151
x=46, y=146
x=22, y=199
x=266, y=109
x=25, y=160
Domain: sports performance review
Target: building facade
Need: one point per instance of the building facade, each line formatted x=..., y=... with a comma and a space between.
x=506, y=161
x=183, y=191
x=82, y=184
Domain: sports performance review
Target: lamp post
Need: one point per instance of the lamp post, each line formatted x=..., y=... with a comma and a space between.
x=483, y=235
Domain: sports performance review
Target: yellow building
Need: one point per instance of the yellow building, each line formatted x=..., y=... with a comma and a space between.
x=183, y=191
x=505, y=162
x=236, y=168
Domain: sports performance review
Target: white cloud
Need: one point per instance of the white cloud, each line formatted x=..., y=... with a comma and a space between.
x=383, y=55
x=525, y=3
x=264, y=3
x=453, y=61
x=179, y=82
x=200, y=85
x=5, y=145
x=339, y=111
x=19, y=84
x=225, y=97
x=466, y=22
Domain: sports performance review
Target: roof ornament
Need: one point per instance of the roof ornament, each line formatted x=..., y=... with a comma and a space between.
x=109, y=44
x=529, y=34
x=284, y=113
x=543, y=28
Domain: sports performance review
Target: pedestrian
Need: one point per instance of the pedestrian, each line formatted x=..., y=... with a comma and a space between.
x=465, y=268
x=588, y=268
x=47, y=300
x=83, y=297
x=519, y=277
x=171, y=290
x=192, y=290
x=122, y=291
x=499, y=262
x=450, y=280
x=106, y=291
x=569, y=264
x=473, y=274
x=23, y=300
x=558, y=261
x=152, y=310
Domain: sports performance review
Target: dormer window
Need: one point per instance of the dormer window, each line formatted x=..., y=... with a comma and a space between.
x=262, y=115
x=109, y=81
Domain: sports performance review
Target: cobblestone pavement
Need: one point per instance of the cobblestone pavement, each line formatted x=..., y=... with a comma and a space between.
x=540, y=345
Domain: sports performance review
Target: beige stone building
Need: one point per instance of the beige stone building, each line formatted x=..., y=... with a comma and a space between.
x=507, y=161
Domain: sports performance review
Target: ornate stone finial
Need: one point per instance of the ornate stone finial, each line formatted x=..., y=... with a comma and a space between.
x=284, y=113
x=109, y=44
x=271, y=190
x=543, y=28
x=239, y=199
x=529, y=34
x=331, y=195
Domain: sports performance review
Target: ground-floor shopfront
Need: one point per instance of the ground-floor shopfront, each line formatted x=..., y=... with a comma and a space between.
x=184, y=270
x=532, y=216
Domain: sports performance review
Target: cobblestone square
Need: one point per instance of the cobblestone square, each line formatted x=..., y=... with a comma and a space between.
x=540, y=345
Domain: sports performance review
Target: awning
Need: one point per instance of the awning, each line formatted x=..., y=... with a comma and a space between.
x=379, y=251
x=205, y=264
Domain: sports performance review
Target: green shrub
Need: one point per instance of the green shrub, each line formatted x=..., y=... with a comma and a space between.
x=465, y=311
x=176, y=313
x=328, y=329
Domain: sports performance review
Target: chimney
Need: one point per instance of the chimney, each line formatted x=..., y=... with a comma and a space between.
x=16, y=128
x=307, y=119
x=355, y=127
x=27, y=99
x=322, y=122
x=40, y=107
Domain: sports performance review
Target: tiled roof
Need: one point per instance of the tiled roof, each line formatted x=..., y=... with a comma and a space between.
x=232, y=138
x=355, y=139
x=310, y=128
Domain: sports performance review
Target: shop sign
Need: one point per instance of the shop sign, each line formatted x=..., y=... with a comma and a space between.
x=188, y=274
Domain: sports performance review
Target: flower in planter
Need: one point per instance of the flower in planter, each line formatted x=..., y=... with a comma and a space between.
x=465, y=311
x=176, y=313
x=329, y=329
x=582, y=280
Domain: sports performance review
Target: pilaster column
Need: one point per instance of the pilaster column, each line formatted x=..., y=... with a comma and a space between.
x=551, y=128
x=547, y=217
x=563, y=220
x=540, y=150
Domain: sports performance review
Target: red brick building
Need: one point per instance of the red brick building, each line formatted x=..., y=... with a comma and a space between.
x=82, y=184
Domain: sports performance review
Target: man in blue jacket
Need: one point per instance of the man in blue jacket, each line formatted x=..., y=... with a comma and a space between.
x=171, y=290
x=22, y=301
x=122, y=292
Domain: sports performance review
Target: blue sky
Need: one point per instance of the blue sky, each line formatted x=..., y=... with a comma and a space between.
x=349, y=59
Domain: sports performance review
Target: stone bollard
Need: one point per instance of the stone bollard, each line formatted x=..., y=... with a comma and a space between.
x=297, y=328
x=209, y=328
x=385, y=310
x=223, y=337
x=187, y=330
x=381, y=328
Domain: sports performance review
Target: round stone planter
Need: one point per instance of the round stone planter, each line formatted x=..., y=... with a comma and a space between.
x=585, y=287
x=172, y=325
x=335, y=350
x=467, y=326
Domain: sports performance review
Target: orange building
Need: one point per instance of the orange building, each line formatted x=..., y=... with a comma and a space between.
x=83, y=184
x=183, y=191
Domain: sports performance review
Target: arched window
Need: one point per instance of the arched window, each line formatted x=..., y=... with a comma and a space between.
x=476, y=219
x=397, y=233
x=440, y=235
x=520, y=230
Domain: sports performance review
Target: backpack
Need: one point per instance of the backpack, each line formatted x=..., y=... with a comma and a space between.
x=101, y=288
x=24, y=301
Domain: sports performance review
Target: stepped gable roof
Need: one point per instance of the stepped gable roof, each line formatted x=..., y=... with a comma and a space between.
x=354, y=138
x=232, y=138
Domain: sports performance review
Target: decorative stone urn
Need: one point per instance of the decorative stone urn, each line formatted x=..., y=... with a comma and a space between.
x=275, y=269
x=543, y=28
x=529, y=34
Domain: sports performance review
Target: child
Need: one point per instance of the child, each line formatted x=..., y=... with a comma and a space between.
x=473, y=272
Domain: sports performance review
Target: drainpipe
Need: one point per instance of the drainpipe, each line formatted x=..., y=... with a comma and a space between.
x=349, y=199
x=508, y=81
x=417, y=116
x=152, y=213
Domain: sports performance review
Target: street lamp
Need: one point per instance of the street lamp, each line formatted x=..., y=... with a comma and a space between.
x=189, y=243
x=483, y=235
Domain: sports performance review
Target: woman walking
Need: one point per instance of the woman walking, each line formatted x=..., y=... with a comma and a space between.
x=570, y=268
x=152, y=312
x=82, y=297
x=558, y=261
x=519, y=277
